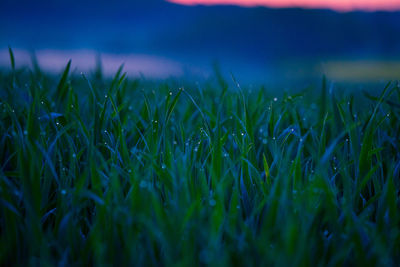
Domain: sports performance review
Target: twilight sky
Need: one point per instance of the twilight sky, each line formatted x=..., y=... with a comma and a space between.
x=340, y=5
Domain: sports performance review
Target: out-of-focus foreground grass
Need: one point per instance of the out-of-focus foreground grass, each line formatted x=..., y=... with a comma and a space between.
x=97, y=171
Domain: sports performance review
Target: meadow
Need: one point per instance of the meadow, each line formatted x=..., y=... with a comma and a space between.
x=121, y=171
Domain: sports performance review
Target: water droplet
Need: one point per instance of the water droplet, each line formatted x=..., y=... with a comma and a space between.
x=155, y=121
x=292, y=130
x=196, y=149
x=42, y=103
x=143, y=184
x=129, y=171
x=273, y=138
x=238, y=206
x=25, y=132
x=301, y=140
x=242, y=134
x=105, y=96
x=226, y=155
x=63, y=192
x=72, y=106
x=175, y=143
x=212, y=202
x=74, y=155
x=275, y=99
x=163, y=166
x=170, y=93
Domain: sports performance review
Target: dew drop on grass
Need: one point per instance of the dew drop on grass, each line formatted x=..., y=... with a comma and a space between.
x=74, y=155
x=275, y=99
x=175, y=143
x=129, y=171
x=170, y=93
x=143, y=184
x=163, y=166
x=63, y=192
x=212, y=202
x=226, y=155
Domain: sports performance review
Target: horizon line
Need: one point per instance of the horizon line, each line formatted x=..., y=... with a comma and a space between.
x=337, y=5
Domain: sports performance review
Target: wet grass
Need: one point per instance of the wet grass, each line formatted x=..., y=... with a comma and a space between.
x=134, y=172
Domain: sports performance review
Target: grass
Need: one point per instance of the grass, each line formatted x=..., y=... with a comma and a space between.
x=135, y=172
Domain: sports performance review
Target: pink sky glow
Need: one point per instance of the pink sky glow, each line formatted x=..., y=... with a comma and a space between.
x=340, y=5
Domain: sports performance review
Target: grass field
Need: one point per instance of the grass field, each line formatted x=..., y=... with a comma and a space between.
x=135, y=172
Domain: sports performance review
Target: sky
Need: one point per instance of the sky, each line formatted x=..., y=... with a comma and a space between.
x=339, y=5
x=159, y=39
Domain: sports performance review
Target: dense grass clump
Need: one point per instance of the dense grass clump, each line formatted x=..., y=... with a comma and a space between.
x=97, y=171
